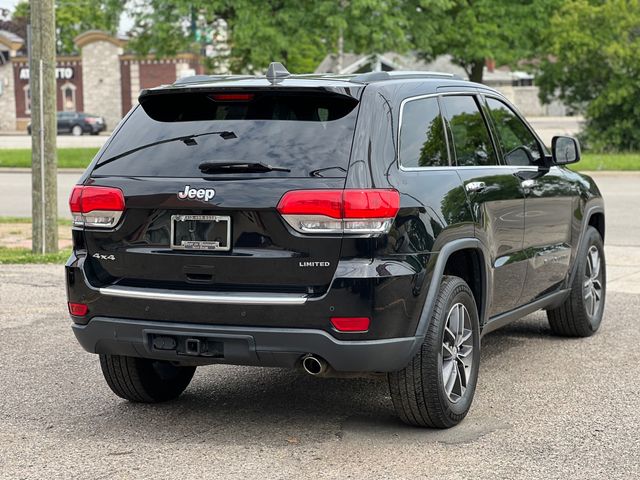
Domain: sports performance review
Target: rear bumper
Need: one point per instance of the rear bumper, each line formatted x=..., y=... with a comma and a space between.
x=393, y=303
x=95, y=127
x=275, y=347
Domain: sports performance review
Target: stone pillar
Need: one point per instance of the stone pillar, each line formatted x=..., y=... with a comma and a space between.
x=101, y=82
x=135, y=82
x=9, y=46
x=7, y=98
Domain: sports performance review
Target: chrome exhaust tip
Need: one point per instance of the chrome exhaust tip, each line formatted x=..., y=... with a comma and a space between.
x=313, y=365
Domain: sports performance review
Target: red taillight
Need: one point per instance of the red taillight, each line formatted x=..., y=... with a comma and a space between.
x=371, y=203
x=367, y=211
x=350, y=324
x=78, y=309
x=96, y=206
x=232, y=97
x=75, y=200
x=312, y=202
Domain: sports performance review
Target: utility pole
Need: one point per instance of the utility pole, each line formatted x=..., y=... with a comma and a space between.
x=42, y=85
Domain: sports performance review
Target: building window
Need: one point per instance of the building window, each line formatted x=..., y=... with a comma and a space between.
x=68, y=97
x=27, y=99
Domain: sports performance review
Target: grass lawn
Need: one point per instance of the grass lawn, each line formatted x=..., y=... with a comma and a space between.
x=61, y=221
x=25, y=255
x=80, y=158
x=67, y=157
x=15, y=242
x=608, y=161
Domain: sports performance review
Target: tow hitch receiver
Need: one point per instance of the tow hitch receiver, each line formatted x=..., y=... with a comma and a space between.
x=191, y=346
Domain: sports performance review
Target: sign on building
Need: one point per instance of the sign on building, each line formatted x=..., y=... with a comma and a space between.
x=62, y=73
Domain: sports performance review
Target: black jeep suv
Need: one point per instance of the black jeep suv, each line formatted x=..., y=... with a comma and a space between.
x=370, y=224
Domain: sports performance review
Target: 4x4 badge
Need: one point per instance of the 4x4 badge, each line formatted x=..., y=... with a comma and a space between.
x=205, y=194
x=100, y=256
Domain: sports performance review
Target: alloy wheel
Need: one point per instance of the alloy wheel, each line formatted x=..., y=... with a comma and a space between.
x=592, y=282
x=457, y=352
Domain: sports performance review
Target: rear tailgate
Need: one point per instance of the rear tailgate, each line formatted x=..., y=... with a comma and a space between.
x=264, y=255
x=154, y=160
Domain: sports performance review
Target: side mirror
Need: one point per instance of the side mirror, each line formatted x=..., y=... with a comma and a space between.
x=564, y=150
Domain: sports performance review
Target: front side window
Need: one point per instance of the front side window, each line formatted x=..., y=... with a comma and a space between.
x=471, y=141
x=519, y=146
x=422, y=135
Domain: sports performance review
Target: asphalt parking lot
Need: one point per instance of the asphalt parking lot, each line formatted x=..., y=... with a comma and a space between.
x=545, y=407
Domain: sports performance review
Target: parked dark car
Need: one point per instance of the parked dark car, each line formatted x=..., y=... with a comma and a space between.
x=376, y=224
x=78, y=123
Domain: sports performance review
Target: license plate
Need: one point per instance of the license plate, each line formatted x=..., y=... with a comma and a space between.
x=200, y=232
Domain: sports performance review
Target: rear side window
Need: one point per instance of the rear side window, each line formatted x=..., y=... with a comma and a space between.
x=422, y=134
x=170, y=135
x=519, y=145
x=471, y=142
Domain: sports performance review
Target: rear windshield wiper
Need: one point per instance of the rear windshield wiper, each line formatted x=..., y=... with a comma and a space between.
x=187, y=139
x=239, y=167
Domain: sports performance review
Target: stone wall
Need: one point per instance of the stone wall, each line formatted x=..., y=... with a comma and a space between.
x=527, y=101
x=7, y=98
x=101, y=81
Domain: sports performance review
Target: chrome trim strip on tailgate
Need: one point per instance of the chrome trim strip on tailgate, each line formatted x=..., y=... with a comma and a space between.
x=225, y=298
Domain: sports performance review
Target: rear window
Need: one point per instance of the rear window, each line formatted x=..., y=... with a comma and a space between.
x=308, y=133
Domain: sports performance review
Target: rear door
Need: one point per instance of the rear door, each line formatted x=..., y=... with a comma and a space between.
x=495, y=197
x=189, y=227
x=548, y=203
x=63, y=121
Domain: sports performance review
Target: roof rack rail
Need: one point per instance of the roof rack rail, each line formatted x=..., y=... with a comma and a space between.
x=397, y=74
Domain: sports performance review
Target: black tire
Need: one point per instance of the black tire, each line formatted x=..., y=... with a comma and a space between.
x=143, y=380
x=573, y=317
x=418, y=391
x=77, y=130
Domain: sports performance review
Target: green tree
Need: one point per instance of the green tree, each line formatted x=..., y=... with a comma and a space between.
x=76, y=16
x=298, y=34
x=472, y=31
x=594, y=66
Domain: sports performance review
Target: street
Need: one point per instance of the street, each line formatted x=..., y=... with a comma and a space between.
x=546, y=127
x=22, y=140
x=545, y=407
x=15, y=192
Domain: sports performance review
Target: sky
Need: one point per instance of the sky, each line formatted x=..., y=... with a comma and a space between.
x=125, y=22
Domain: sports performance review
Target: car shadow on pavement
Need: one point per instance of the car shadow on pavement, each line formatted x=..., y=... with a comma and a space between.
x=247, y=406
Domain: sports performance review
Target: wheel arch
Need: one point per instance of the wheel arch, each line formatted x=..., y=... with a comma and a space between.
x=452, y=259
x=593, y=217
x=596, y=220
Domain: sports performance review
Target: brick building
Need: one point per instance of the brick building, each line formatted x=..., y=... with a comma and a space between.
x=103, y=79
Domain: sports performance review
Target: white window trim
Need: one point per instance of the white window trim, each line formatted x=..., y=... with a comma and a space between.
x=27, y=99
x=73, y=88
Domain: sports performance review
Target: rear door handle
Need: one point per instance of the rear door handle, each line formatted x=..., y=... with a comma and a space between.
x=474, y=187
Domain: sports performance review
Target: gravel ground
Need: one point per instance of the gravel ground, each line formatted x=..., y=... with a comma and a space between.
x=545, y=407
